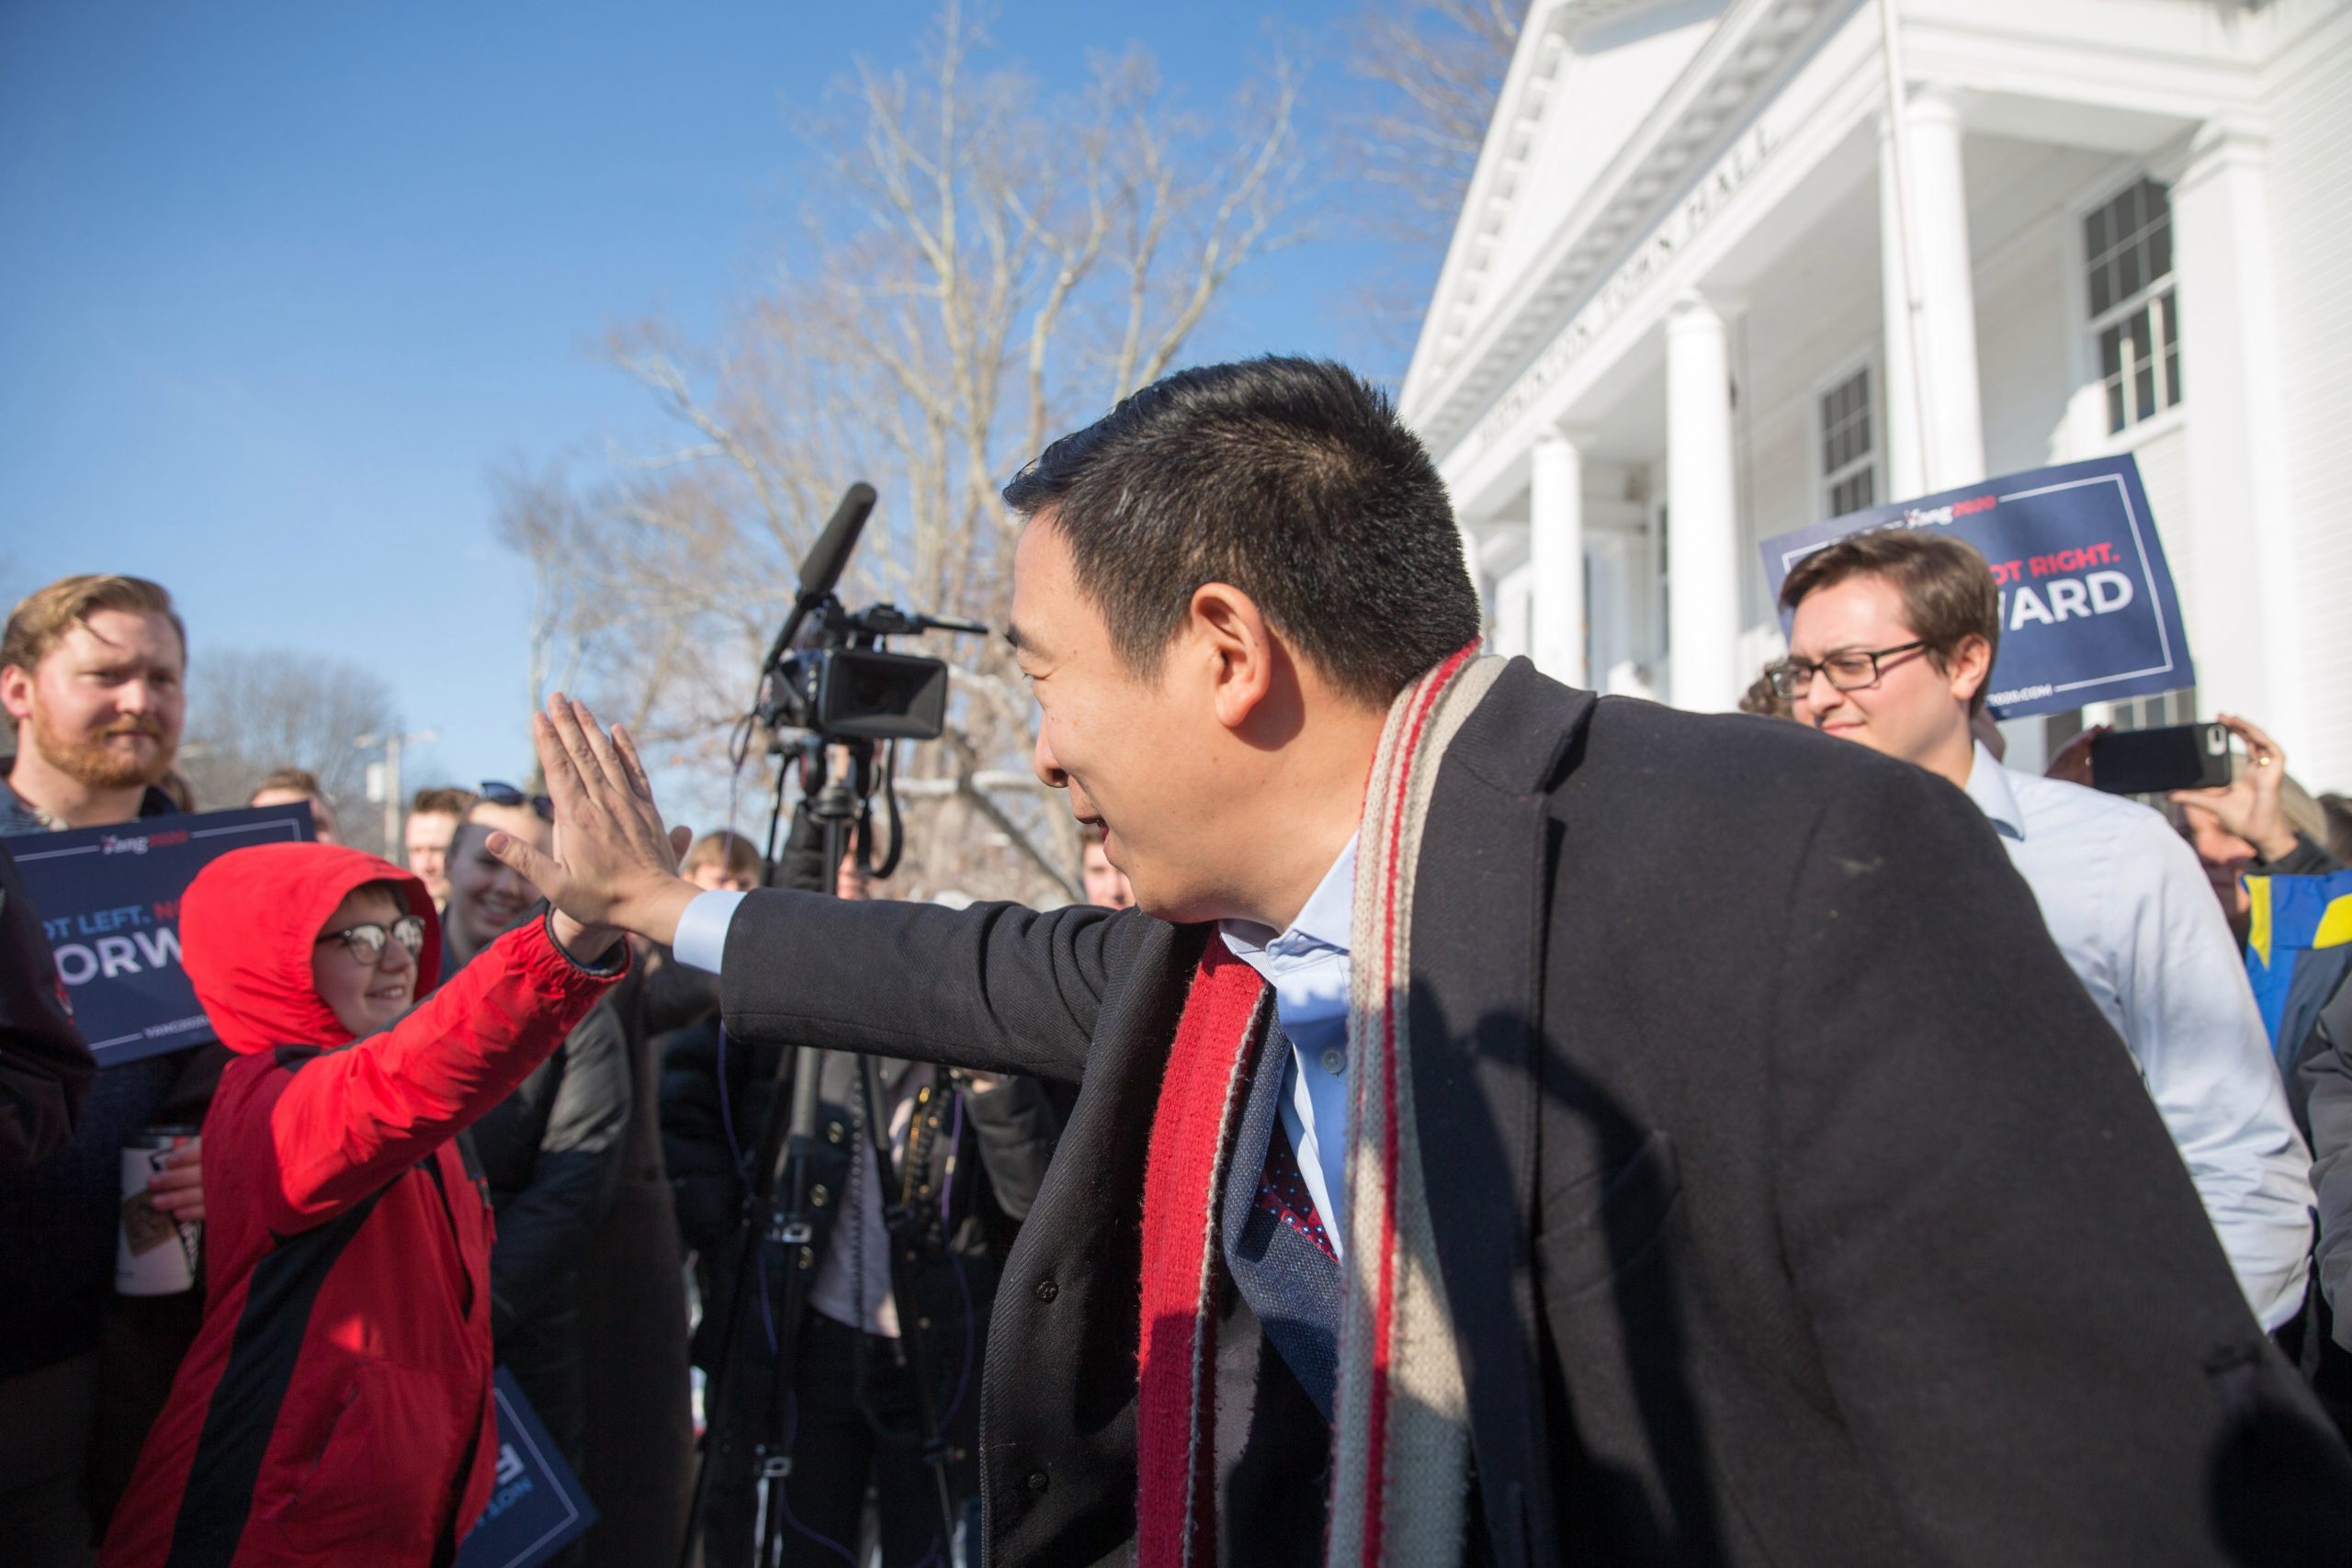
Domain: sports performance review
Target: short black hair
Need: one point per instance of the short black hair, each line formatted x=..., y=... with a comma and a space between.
x=1291, y=479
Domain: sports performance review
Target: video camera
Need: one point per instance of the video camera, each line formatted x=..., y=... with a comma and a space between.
x=827, y=671
x=827, y=676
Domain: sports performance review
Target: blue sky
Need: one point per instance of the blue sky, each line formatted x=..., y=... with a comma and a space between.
x=281, y=284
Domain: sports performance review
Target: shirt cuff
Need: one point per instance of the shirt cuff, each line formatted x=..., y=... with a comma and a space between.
x=701, y=941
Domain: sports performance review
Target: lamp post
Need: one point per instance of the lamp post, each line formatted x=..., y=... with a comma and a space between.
x=393, y=795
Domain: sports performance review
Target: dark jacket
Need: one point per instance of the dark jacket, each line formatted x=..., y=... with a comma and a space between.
x=987, y=1153
x=552, y=1152
x=45, y=1065
x=640, y=1447
x=1793, y=1202
x=58, y=1218
x=336, y=1405
x=2318, y=1017
x=2323, y=1091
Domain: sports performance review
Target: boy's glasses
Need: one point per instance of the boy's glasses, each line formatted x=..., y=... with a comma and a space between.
x=365, y=942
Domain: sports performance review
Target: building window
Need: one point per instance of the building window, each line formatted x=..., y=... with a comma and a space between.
x=2134, y=318
x=1849, y=458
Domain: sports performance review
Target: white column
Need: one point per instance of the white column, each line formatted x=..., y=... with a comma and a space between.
x=1702, y=526
x=2245, y=629
x=1906, y=471
x=1939, y=191
x=1555, y=546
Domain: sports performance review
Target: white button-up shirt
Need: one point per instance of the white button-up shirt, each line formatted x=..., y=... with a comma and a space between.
x=1308, y=968
x=2128, y=907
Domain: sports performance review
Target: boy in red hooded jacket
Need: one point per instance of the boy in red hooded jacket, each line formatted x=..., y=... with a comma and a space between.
x=336, y=1405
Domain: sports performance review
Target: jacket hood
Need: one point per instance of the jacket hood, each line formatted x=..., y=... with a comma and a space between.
x=248, y=924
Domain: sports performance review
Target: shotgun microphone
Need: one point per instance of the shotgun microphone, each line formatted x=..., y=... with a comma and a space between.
x=820, y=573
x=821, y=569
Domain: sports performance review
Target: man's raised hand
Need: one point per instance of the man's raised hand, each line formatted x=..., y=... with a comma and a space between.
x=615, y=865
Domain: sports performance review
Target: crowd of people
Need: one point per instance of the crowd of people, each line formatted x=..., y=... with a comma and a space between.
x=599, y=1132
x=1466, y=1120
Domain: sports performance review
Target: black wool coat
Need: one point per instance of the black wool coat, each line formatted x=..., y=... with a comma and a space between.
x=1794, y=1202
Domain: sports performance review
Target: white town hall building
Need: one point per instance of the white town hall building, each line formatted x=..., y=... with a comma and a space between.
x=1678, y=317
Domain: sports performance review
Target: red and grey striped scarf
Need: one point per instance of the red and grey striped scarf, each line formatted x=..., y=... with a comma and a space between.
x=1400, y=1443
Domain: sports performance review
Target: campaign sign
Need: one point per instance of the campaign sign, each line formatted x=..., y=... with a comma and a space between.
x=2087, y=609
x=535, y=1506
x=110, y=902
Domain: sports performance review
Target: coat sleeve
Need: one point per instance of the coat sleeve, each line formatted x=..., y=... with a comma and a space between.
x=995, y=988
x=45, y=1067
x=2306, y=859
x=545, y=1228
x=2025, y=1319
x=352, y=1119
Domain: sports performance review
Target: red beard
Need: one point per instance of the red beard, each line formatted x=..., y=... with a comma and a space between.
x=90, y=761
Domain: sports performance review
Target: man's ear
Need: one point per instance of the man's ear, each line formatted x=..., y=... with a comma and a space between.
x=16, y=690
x=1226, y=636
x=1971, y=666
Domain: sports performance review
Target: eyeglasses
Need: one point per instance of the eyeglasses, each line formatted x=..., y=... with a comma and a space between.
x=1856, y=670
x=499, y=794
x=365, y=942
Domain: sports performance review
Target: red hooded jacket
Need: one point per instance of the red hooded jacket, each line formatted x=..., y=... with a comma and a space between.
x=335, y=1408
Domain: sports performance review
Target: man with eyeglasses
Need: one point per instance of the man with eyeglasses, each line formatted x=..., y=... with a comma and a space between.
x=1892, y=647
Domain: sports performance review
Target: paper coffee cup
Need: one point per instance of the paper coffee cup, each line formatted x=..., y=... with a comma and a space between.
x=154, y=1255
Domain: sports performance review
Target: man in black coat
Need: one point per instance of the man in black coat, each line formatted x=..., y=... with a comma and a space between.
x=1791, y=1202
x=551, y=1155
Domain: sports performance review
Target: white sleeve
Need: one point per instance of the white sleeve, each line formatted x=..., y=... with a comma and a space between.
x=701, y=941
x=2189, y=1016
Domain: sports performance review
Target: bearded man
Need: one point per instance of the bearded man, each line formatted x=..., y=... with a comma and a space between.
x=92, y=670
x=1514, y=1126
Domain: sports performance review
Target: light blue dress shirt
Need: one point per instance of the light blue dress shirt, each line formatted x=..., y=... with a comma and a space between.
x=1306, y=966
x=2131, y=910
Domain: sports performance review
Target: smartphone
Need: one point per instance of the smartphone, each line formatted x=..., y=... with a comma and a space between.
x=2150, y=761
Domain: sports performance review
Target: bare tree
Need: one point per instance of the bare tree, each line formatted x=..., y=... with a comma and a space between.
x=252, y=711
x=1428, y=74
x=989, y=260
x=1435, y=68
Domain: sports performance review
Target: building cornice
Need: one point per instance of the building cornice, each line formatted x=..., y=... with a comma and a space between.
x=1480, y=329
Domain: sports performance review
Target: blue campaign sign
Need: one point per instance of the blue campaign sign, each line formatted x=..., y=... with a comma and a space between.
x=2087, y=609
x=109, y=901
x=535, y=1506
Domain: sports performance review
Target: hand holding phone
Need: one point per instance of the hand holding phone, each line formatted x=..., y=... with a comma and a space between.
x=2248, y=805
